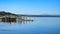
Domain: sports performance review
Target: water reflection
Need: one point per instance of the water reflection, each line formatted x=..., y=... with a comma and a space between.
x=19, y=22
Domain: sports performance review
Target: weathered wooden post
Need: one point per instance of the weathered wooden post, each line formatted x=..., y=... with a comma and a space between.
x=5, y=18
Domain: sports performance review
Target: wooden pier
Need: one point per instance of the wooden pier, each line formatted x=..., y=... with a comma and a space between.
x=12, y=18
x=8, y=17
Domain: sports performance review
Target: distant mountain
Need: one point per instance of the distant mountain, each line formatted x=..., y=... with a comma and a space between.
x=2, y=13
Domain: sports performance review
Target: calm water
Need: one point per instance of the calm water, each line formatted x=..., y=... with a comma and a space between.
x=40, y=25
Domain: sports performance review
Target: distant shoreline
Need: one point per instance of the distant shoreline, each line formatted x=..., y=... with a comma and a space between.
x=3, y=13
x=43, y=15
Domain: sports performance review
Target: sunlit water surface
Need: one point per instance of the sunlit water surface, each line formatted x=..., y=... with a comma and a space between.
x=40, y=25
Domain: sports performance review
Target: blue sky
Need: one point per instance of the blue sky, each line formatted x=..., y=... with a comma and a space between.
x=30, y=6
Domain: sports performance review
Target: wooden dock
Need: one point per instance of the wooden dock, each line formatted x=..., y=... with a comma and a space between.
x=12, y=18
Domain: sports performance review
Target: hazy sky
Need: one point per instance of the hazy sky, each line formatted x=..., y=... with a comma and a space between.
x=31, y=6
